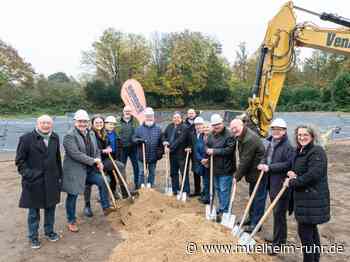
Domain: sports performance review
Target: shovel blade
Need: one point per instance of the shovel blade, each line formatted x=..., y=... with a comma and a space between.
x=246, y=240
x=236, y=231
x=210, y=213
x=184, y=197
x=178, y=196
x=168, y=191
x=228, y=220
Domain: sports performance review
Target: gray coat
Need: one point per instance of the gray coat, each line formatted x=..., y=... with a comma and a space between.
x=76, y=161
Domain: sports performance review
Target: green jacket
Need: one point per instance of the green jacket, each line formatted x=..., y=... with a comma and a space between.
x=251, y=151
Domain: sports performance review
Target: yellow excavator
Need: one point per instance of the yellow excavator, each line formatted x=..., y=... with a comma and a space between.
x=277, y=54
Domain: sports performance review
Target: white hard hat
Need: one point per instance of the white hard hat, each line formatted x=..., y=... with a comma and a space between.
x=110, y=119
x=198, y=120
x=279, y=122
x=216, y=119
x=149, y=111
x=81, y=115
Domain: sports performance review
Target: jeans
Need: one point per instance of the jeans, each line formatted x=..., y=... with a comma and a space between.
x=177, y=164
x=223, y=186
x=310, y=239
x=131, y=152
x=151, y=173
x=71, y=203
x=34, y=221
x=258, y=206
x=91, y=179
x=112, y=182
x=97, y=179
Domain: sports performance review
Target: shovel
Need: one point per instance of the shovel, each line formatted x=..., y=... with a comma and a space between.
x=145, y=170
x=237, y=230
x=229, y=219
x=108, y=188
x=183, y=195
x=210, y=210
x=168, y=189
x=247, y=239
x=121, y=178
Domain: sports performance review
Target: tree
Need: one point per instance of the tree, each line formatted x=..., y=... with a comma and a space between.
x=13, y=69
x=240, y=66
x=187, y=71
x=59, y=77
x=116, y=56
x=341, y=90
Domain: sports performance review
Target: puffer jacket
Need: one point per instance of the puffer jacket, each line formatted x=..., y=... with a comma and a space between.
x=152, y=137
x=310, y=188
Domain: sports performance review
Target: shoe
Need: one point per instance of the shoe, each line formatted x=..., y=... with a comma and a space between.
x=270, y=251
x=246, y=223
x=107, y=211
x=218, y=217
x=35, y=243
x=53, y=237
x=73, y=228
x=250, y=228
x=268, y=239
x=88, y=211
x=203, y=201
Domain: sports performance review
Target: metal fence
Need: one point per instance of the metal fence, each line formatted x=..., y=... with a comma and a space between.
x=12, y=129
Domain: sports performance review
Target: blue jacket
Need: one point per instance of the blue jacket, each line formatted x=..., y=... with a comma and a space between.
x=200, y=154
x=152, y=137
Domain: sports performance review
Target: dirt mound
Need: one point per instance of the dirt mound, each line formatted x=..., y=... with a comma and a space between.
x=160, y=228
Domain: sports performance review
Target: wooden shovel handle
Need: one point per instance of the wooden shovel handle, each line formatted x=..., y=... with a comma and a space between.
x=251, y=199
x=184, y=174
x=211, y=182
x=120, y=175
x=108, y=188
x=167, y=171
x=234, y=189
x=268, y=211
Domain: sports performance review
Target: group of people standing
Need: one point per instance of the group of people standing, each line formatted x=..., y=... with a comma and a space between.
x=93, y=145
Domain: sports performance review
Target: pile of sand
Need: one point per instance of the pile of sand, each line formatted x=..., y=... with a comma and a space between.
x=159, y=228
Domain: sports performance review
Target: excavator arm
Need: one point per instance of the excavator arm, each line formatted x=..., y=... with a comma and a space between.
x=277, y=55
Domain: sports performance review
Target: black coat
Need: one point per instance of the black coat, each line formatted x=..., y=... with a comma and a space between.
x=224, y=157
x=311, y=192
x=41, y=170
x=280, y=164
x=180, y=142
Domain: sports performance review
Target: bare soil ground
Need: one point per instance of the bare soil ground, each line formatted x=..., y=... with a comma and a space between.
x=157, y=228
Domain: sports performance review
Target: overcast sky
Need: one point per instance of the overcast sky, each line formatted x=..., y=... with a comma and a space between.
x=51, y=34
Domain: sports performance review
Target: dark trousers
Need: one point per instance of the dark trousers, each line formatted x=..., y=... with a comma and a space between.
x=258, y=206
x=197, y=183
x=205, y=186
x=310, y=239
x=177, y=164
x=279, y=217
x=34, y=221
x=131, y=152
